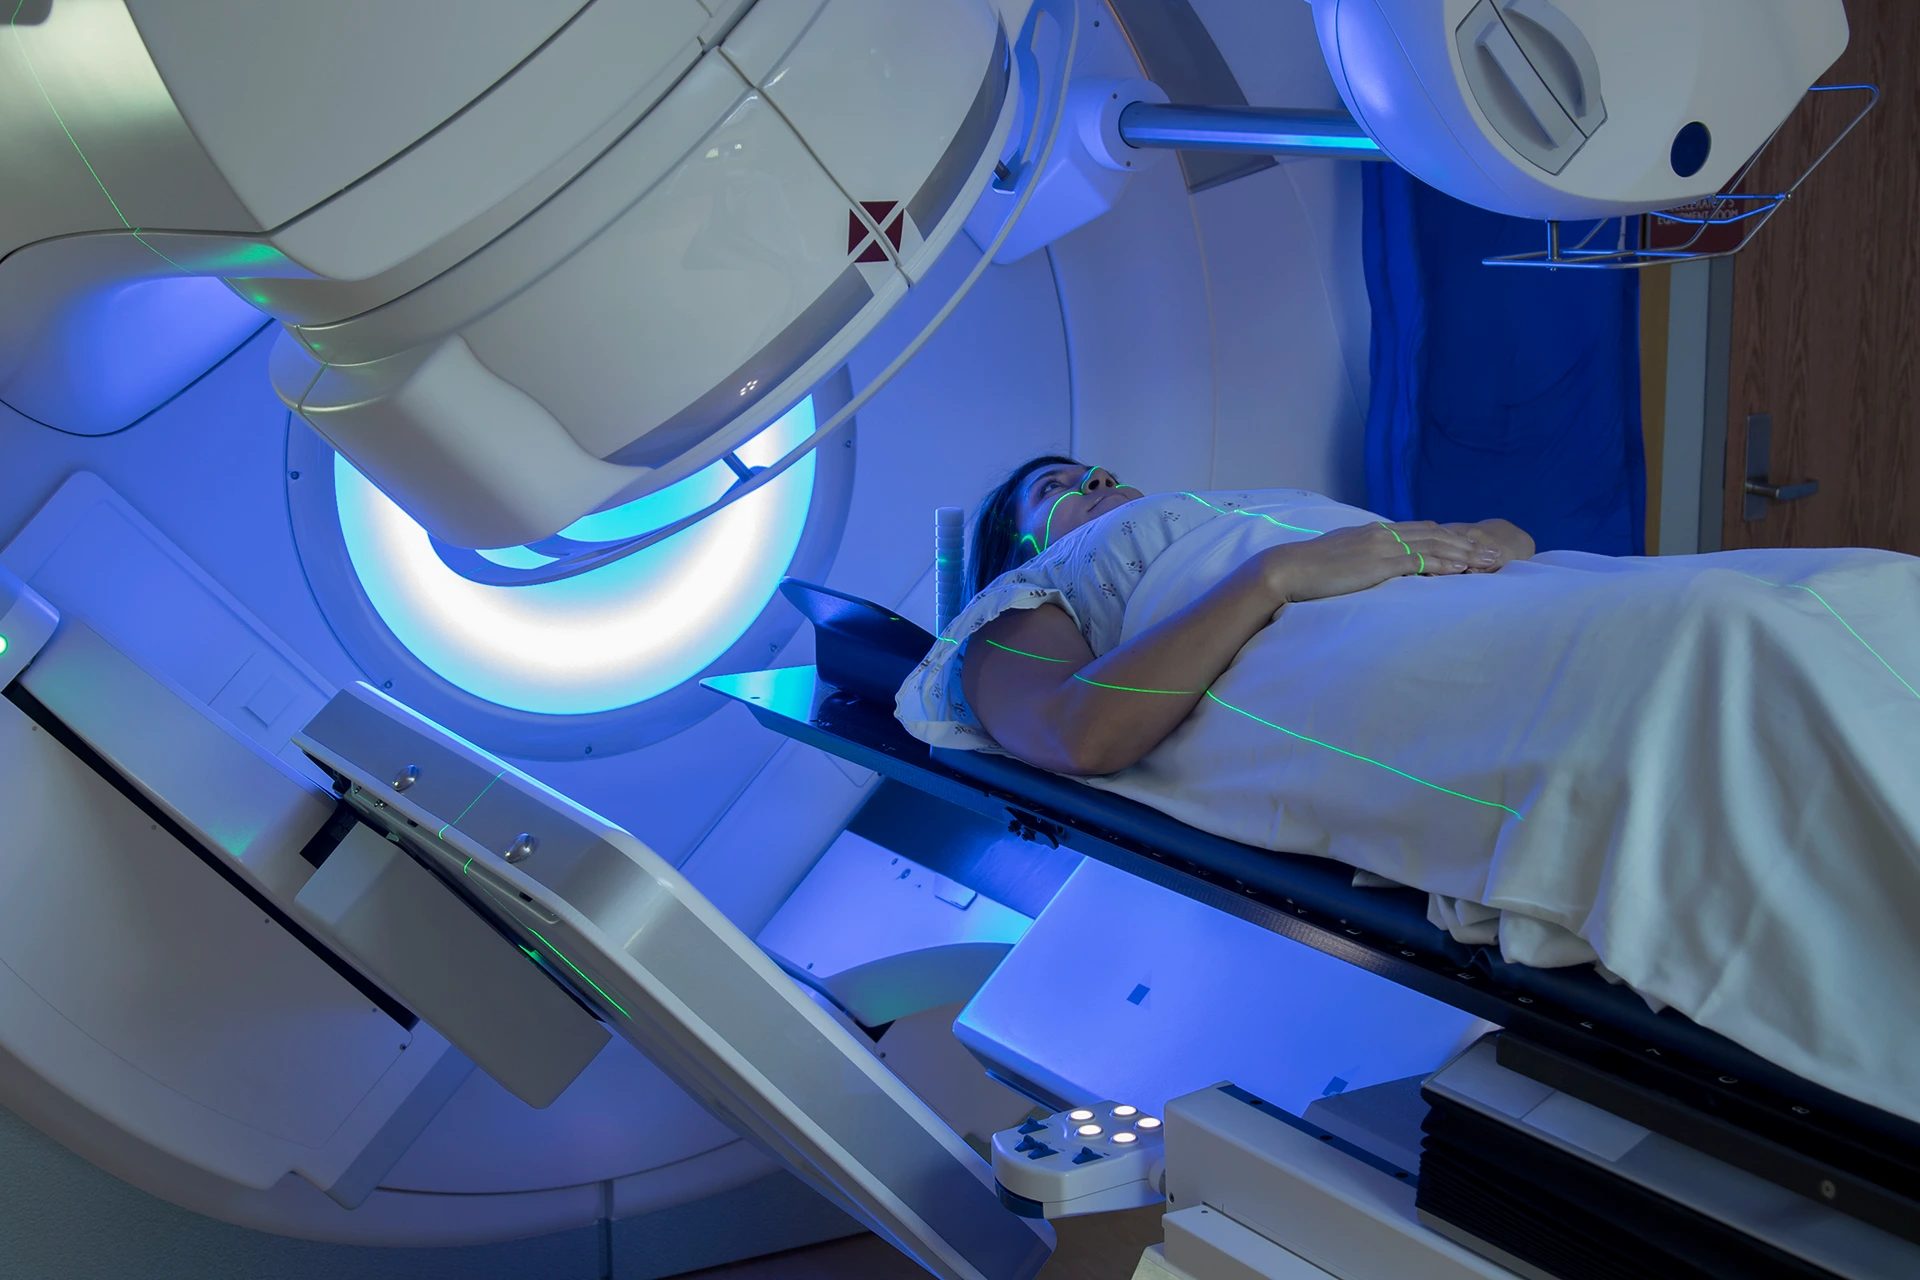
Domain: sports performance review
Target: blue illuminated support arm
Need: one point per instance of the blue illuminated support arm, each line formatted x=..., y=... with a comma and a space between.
x=1280, y=131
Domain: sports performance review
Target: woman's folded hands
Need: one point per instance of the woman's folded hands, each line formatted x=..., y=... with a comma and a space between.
x=1354, y=559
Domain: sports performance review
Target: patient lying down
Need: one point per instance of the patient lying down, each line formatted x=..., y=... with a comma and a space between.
x=1698, y=771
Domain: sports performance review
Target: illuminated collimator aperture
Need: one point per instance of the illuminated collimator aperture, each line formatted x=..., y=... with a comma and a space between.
x=1146, y=1122
x=1124, y=1138
x=1123, y=1112
x=605, y=639
x=1081, y=1114
x=1089, y=1131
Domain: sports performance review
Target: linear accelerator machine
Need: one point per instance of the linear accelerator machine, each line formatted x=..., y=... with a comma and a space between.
x=264, y=929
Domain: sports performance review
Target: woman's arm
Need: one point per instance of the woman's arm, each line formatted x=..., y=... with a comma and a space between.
x=1039, y=690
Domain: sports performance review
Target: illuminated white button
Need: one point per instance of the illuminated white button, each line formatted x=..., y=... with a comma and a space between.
x=1126, y=1111
x=1082, y=1114
x=1146, y=1122
x=1124, y=1138
x=1089, y=1131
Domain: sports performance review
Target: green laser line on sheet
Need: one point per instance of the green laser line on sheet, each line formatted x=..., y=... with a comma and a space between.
x=14, y=23
x=1354, y=755
x=441, y=834
x=1404, y=547
x=1259, y=515
x=1843, y=622
x=577, y=969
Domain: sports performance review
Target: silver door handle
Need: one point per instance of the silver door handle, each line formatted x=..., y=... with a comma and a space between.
x=1784, y=492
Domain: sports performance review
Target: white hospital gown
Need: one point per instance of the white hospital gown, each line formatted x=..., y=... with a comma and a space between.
x=1701, y=771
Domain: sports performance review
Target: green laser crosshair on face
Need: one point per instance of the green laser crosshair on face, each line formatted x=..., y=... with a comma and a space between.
x=1071, y=493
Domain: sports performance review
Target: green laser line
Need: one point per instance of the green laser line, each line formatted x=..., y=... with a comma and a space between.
x=577, y=969
x=557, y=951
x=1171, y=693
x=1404, y=547
x=1354, y=755
x=14, y=23
x=1071, y=493
x=1037, y=657
x=1261, y=515
x=1121, y=688
x=441, y=834
x=1843, y=622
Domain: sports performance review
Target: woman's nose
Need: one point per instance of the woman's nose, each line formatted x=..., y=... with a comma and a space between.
x=1100, y=478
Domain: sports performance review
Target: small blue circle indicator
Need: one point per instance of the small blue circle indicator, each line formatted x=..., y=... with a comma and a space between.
x=1691, y=147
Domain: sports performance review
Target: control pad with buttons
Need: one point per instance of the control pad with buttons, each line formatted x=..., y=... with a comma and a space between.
x=1085, y=1160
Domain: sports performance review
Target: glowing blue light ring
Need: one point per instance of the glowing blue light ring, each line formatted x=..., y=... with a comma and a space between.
x=390, y=664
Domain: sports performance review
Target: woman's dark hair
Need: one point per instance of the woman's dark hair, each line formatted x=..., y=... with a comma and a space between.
x=994, y=546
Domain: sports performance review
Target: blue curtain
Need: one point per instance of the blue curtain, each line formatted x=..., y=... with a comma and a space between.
x=1499, y=391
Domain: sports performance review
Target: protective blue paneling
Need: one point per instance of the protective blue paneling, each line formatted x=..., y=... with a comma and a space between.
x=1499, y=391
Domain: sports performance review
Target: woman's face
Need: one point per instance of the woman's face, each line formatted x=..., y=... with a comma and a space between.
x=1054, y=501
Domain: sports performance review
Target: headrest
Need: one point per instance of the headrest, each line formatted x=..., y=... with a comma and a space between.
x=860, y=647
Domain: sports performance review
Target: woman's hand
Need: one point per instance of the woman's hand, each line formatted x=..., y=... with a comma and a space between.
x=1500, y=542
x=1349, y=560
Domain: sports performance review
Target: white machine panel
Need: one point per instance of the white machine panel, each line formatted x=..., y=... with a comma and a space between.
x=1574, y=109
x=724, y=254
x=622, y=930
x=1324, y=1205
x=1123, y=989
x=347, y=79
x=26, y=623
x=144, y=986
x=885, y=151
x=97, y=559
x=883, y=937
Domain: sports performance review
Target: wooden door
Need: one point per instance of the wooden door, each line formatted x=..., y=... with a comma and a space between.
x=1826, y=310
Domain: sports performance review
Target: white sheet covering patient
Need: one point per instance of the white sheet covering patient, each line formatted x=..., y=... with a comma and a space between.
x=1701, y=771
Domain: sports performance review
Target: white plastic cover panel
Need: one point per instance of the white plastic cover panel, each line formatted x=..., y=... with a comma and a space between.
x=532, y=265
x=355, y=81
x=1195, y=996
x=634, y=941
x=1570, y=109
x=709, y=269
